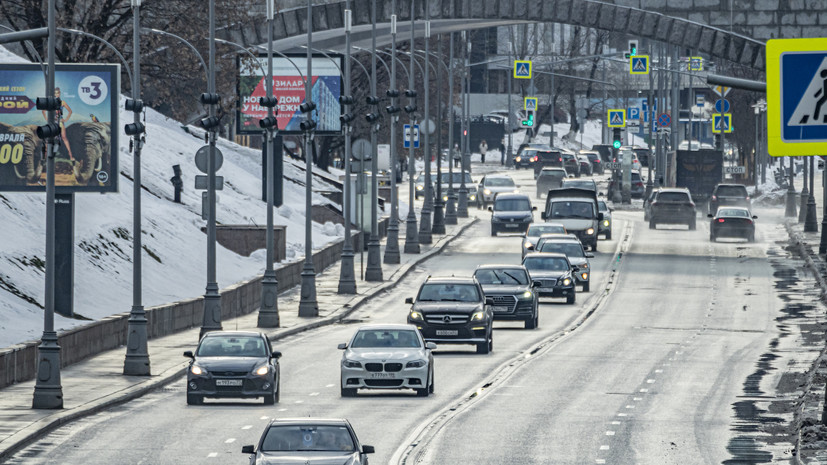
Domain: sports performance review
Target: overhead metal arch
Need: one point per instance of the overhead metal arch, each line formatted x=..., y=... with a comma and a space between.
x=448, y=15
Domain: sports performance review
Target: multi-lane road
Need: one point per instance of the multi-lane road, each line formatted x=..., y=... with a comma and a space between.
x=644, y=369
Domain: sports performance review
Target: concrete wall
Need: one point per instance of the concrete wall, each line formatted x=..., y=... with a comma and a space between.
x=245, y=239
x=18, y=363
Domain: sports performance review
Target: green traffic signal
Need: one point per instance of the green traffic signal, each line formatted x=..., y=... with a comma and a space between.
x=616, y=144
x=530, y=121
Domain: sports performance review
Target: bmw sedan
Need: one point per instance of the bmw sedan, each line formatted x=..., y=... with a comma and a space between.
x=387, y=357
x=308, y=441
x=239, y=364
x=732, y=222
x=537, y=230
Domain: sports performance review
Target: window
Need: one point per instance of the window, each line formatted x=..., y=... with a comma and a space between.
x=572, y=210
x=537, y=230
x=546, y=264
x=385, y=338
x=503, y=276
x=239, y=346
x=437, y=292
x=601, y=206
x=733, y=212
x=512, y=205
x=569, y=249
x=308, y=438
x=499, y=182
x=732, y=191
x=673, y=197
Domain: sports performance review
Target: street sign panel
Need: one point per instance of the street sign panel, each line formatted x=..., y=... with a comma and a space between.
x=664, y=120
x=721, y=90
x=696, y=64
x=202, y=182
x=407, y=136
x=699, y=100
x=735, y=170
x=721, y=122
x=639, y=64
x=722, y=105
x=522, y=69
x=530, y=104
x=796, y=85
x=617, y=118
x=612, y=165
x=633, y=113
x=361, y=149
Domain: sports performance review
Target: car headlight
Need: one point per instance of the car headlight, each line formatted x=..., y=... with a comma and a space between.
x=584, y=276
x=351, y=364
x=419, y=188
x=487, y=192
x=444, y=198
x=263, y=370
x=590, y=231
x=526, y=295
x=518, y=159
x=478, y=316
x=472, y=197
x=527, y=244
x=197, y=370
x=566, y=282
x=416, y=364
x=516, y=191
x=414, y=315
x=606, y=223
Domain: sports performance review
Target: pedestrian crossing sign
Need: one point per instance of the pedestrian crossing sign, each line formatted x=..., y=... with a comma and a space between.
x=639, y=64
x=721, y=123
x=617, y=118
x=522, y=69
x=530, y=104
x=797, y=96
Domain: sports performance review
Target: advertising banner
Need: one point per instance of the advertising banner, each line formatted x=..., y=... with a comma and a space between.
x=87, y=157
x=289, y=89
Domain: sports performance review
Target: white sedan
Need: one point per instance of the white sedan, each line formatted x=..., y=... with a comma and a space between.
x=387, y=357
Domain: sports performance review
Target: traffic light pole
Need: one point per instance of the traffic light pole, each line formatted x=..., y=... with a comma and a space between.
x=347, y=278
x=439, y=204
x=392, y=242
x=411, y=232
x=373, y=271
x=308, y=305
x=425, y=236
x=462, y=209
x=450, y=207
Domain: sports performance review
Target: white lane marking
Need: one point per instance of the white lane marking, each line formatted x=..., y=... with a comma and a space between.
x=299, y=401
x=630, y=406
x=610, y=433
x=615, y=422
x=264, y=417
x=659, y=371
x=599, y=461
x=622, y=415
x=637, y=398
x=644, y=390
x=246, y=426
x=212, y=454
x=330, y=385
x=667, y=365
x=229, y=441
x=282, y=410
x=314, y=394
x=678, y=352
x=604, y=447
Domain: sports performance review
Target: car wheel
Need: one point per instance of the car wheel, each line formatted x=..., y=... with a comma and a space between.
x=485, y=347
x=570, y=299
x=712, y=237
x=751, y=237
x=348, y=392
x=652, y=225
x=493, y=231
x=692, y=225
x=530, y=323
x=586, y=286
x=431, y=388
x=277, y=396
x=270, y=399
x=195, y=399
x=609, y=236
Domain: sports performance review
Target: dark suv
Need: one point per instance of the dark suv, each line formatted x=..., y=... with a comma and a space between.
x=453, y=311
x=511, y=213
x=511, y=288
x=672, y=206
x=546, y=158
x=731, y=195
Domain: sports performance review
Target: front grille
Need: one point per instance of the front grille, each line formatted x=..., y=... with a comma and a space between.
x=374, y=367
x=384, y=382
x=393, y=367
x=452, y=318
x=548, y=283
x=228, y=373
x=508, y=301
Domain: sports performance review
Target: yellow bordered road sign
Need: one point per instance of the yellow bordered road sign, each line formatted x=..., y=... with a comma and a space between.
x=530, y=104
x=696, y=64
x=722, y=122
x=522, y=69
x=796, y=100
x=617, y=118
x=639, y=64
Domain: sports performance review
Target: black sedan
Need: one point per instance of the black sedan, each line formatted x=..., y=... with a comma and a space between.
x=240, y=364
x=308, y=441
x=552, y=272
x=732, y=222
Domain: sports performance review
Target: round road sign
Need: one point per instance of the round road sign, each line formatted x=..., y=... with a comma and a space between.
x=361, y=149
x=201, y=159
x=664, y=120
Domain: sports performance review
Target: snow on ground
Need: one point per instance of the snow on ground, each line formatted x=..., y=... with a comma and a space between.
x=174, y=260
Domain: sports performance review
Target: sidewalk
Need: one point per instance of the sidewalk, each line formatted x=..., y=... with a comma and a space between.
x=97, y=383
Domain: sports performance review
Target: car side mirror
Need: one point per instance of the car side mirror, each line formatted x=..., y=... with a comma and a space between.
x=409, y=300
x=589, y=255
x=530, y=247
x=276, y=354
x=599, y=217
x=491, y=209
x=189, y=354
x=342, y=346
x=535, y=284
x=368, y=449
x=600, y=194
x=430, y=345
x=534, y=209
x=755, y=217
x=543, y=216
x=248, y=449
x=709, y=215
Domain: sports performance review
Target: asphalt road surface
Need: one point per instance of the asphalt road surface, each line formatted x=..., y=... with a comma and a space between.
x=642, y=370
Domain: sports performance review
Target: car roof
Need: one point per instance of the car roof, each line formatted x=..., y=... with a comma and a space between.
x=498, y=176
x=511, y=195
x=547, y=223
x=451, y=280
x=673, y=189
x=234, y=333
x=730, y=185
x=309, y=421
x=561, y=238
x=545, y=254
x=499, y=267
x=553, y=235
x=386, y=326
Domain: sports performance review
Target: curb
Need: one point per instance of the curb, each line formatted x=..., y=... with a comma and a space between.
x=41, y=427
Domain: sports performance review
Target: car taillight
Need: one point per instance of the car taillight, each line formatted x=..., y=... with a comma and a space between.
x=714, y=197
x=721, y=220
x=747, y=198
x=639, y=183
x=597, y=161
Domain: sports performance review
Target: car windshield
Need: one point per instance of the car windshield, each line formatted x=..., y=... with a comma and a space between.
x=568, y=157
x=635, y=176
x=579, y=184
x=552, y=174
x=235, y=346
x=672, y=197
x=537, y=230
x=512, y=205
x=366, y=338
x=572, y=209
x=499, y=182
x=503, y=276
x=732, y=191
x=569, y=249
x=456, y=178
x=321, y=438
x=546, y=264
x=601, y=206
x=733, y=212
x=421, y=178
x=436, y=292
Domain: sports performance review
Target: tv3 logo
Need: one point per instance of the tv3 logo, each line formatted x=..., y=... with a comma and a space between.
x=93, y=90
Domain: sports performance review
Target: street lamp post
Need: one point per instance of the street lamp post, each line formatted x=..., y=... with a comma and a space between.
x=373, y=272
x=439, y=205
x=48, y=392
x=805, y=193
x=811, y=221
x=308, y=305
x=450, y=208
x=425, y=236
x=136, y=361
x=462, y=209
x=392, y=242
x=347, y=276
x=822, y=245
x=411, y=232
x=268, y=314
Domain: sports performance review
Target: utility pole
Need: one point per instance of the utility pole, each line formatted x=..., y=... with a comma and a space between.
x=509, y=158
x=811, y=221
x=373, y=272
x=411, y=233
x=137, y=354
x=347, y=278
x=392, y=243
x=462, y=210
x=439, y=205
x=450, y=209
x=652, y=121
x=268, y=314
x=425, y=236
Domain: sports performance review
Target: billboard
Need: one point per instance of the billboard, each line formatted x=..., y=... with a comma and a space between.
x=87, y=157
x=289, y=88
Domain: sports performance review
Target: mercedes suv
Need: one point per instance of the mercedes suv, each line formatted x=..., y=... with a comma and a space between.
x=453, y=311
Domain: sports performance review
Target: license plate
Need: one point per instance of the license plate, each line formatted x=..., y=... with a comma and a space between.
x=511, y=225
x=447, y=332
x=500, y=309
x=383, y=375
x=228, y=382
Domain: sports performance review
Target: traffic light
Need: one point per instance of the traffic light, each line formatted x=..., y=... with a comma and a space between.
x=529, y=121
x=268, y=102
x=372, y=117
x=268, y=122
x=410, y=108
x=209, y=99
x=410, y=93
x=307, y=107
x=633, y=47
x=346, y=100
x=391, y=109
x=616, y=139
x=347, y=118
x=133, y=129
x=48, y=130
x=48, y=103
x=210, y=122
x=371, y=100
x=392, y=93
x=307, y=125
x=135, y=106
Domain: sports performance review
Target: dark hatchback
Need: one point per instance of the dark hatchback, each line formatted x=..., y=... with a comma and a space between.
x=552, y=272
x=730, y=195
x=510, y=287
x=672, y=206
x=314, y=441
x=544, y=158
x=597, y=163
x=522, y=159
x=511, y=213
x=571, y=163
x=233, y=364
x=732, y=222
